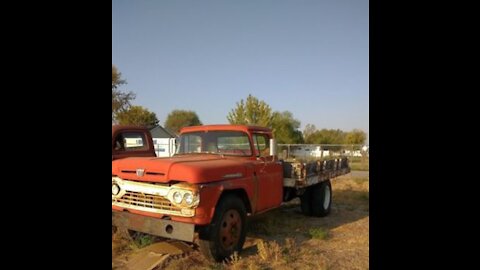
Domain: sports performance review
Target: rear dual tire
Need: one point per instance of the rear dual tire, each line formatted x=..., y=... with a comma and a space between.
x=317, y=199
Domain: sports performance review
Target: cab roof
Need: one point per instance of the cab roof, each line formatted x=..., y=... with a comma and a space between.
x=244, y=128
x=122, y=127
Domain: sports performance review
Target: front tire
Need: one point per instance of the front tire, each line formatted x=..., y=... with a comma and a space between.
x=227, y=231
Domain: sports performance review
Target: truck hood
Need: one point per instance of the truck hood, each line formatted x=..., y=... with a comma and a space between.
x=189, y=168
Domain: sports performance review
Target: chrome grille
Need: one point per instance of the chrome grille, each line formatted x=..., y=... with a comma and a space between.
x=146, y=200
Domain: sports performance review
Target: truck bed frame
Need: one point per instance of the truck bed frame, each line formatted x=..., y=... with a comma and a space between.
x=299, y=175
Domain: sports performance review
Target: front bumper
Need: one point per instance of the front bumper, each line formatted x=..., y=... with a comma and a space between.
x=160, y=227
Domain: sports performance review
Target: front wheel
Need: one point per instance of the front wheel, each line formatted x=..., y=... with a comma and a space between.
x=227, y=231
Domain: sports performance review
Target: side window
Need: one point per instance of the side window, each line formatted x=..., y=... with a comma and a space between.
x=131, y=141
x=262, y=145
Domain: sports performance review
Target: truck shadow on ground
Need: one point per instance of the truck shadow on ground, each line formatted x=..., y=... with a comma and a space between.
x=289, y=222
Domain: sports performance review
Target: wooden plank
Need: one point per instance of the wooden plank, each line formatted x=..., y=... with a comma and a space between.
x=154, y=255
x=147, y=260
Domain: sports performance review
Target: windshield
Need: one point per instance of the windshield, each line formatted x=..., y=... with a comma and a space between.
x=234, y=143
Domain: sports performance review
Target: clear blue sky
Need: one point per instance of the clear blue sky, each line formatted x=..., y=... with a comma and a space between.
x=307, y=57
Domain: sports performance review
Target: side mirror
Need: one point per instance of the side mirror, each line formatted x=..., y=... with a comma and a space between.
x=273, y=147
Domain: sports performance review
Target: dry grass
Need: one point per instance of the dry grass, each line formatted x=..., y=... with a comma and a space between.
x=286, y=239
x=359, y=165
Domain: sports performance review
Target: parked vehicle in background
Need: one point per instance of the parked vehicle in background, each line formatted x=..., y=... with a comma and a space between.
x=131, y=141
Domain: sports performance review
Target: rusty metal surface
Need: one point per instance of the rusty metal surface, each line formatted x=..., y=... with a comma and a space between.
x=154, y=226
x=302, y=174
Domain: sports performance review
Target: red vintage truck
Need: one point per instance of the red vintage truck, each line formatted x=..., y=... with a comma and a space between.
x=131, y=141
x=220, y=175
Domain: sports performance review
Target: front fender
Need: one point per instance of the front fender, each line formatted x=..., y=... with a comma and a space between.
x=210, y=195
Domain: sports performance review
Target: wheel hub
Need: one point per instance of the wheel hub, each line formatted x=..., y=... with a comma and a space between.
x=231, y=227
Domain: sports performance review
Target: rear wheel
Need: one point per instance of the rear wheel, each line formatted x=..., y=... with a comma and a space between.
x=305, y=202
x=321, y=199
x=226, y=233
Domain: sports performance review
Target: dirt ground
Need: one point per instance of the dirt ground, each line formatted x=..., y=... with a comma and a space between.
x=286, y=239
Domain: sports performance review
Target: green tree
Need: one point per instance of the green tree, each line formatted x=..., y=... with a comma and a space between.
x=285, y=128
x=178, y=119
x=252, y=112
x=333, y=136
x=355, y=136
x=120, y=99
x=137, y=116
x=308, y=133
x=323, y=136
x=330, y=136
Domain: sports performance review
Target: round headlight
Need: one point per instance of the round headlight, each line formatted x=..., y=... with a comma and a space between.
x=177, y=197
x=188, y=197
x=115, y=189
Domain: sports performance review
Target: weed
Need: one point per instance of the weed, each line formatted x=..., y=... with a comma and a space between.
x=141, y=240
x=233, y=262
x=290, y=250
x=318, y=233
x=271, y=252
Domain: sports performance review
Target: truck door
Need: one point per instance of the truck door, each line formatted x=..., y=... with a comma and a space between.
x=269, y=174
